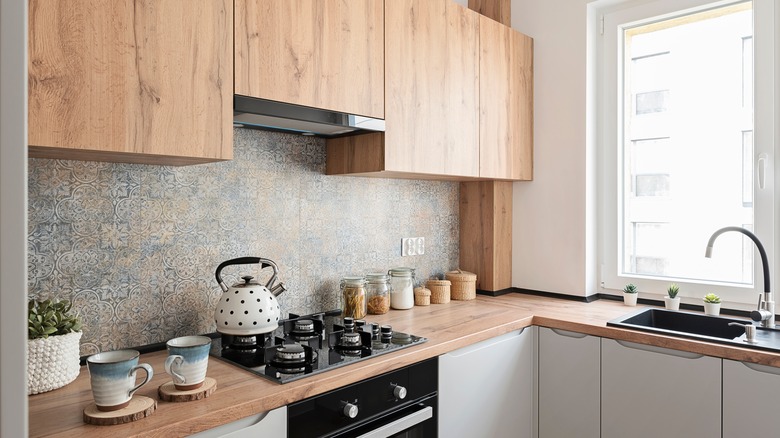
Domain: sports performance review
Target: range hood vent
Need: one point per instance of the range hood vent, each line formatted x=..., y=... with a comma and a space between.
x=251, y=112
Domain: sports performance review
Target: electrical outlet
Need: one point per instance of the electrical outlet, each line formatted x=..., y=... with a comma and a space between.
x=411, y=246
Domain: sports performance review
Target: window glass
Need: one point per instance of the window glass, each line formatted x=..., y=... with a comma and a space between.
x=687, y=121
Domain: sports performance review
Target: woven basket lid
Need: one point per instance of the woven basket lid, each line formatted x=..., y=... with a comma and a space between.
x=421, y=291
x=437, y=282
x=459, y=275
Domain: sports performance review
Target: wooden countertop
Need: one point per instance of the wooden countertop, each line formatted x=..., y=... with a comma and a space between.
x=447, y=326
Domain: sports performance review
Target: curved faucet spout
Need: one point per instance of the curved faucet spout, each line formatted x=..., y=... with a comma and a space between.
x=761, y=251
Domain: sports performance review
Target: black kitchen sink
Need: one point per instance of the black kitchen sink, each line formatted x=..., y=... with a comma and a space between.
x=697, y=326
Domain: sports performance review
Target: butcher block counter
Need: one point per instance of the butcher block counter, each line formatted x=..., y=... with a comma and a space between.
x=447, y=326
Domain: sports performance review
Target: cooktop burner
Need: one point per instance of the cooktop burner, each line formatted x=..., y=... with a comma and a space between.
x=308, y=344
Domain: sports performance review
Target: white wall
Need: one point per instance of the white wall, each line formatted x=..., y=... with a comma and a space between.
x=554, y=215
x=13, y=221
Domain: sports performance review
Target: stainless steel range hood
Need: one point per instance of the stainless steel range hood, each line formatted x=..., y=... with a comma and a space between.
x=265, y=114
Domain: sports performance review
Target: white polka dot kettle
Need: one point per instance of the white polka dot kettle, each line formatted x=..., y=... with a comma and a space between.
x=248, y=308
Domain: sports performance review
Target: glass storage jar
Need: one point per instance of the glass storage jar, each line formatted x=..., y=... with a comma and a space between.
x=378, y=290
x=402, y=280
x=353, y=297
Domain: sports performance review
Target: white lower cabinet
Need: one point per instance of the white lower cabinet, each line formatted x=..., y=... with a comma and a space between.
x=655, y=392
x=750, y=406
x=487, y=389
x=267, y=424
x=569, y=384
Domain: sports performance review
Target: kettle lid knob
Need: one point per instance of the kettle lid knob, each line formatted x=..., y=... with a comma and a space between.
x=247, y=279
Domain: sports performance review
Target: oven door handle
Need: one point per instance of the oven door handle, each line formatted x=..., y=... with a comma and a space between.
x=400, y=424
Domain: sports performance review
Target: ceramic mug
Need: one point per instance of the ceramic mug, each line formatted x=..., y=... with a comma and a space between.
x=112, y=377
x=188, y=358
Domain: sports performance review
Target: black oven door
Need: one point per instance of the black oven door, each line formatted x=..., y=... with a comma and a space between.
x=415, y=421
x=400, y=403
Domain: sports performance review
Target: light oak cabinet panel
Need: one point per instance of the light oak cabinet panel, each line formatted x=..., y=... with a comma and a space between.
x=431, y=97
x=431, y=64
x=650, y=392
x=569, y=384
x=506, y=102
x=144, y=81
x=323, y=54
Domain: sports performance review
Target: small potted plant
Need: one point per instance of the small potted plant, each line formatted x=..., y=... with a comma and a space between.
x=53, y=345
x=672, y=301
x=711, y=305
x=630, y=294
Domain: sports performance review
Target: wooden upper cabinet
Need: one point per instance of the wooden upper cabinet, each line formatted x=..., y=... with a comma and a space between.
x=431, y=97
x=506, y=102
x=432, y=87
x=144, y=81
x=325, y=54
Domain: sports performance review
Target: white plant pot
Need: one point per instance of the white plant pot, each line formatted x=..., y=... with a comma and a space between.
x=712, y=309
x=672, y=303
x=630, y=299
x=52, y=362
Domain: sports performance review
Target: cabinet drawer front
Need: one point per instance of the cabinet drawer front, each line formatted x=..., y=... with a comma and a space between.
x=569, y=384
x=658, y=393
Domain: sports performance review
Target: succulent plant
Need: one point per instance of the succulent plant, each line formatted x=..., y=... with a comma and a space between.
x=673, y=290
x=50, y=318
x=711, y=298
x=630, y=289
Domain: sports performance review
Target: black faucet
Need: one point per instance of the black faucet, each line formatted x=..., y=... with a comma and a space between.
x=766, y=304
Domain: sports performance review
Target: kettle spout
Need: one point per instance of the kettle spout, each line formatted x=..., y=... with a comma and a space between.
x=278, y=289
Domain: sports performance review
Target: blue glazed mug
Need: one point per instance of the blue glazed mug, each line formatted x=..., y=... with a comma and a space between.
x=113, y=380
x=188, y=358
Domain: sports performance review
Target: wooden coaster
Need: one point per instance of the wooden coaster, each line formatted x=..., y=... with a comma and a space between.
x=139, y=407
x=169, y=393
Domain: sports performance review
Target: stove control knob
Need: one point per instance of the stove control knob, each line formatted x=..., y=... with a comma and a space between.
x=399, y=391
x=349, y=410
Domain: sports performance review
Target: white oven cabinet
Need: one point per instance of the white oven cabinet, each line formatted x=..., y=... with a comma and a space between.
x=651, y=392
x=750, y=399
x=267, y=424
x=569, y=384
x=487, y=389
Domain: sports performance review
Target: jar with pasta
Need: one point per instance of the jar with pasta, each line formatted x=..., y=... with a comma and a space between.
x=378, y=290
x=353, y=297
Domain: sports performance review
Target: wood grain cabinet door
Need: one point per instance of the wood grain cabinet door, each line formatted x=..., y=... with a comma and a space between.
x=432, y=88
x=506, y=102
x=318, y=53
x=145, y=81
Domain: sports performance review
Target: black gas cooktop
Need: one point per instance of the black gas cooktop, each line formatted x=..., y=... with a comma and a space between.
x=303, y=345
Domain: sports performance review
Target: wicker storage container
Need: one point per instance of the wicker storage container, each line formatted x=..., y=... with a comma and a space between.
x=464, y=284
x=422, y=296
x=52, y=362
x=440, y=291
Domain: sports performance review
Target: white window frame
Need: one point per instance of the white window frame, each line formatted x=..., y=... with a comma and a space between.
x=766, y=131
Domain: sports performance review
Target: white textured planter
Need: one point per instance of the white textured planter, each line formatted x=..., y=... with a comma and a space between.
x=630, y=299
x=52, y=362
x=672, y=303
x=712, y=309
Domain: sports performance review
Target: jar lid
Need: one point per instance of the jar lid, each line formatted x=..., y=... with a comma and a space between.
x=355, y=280
x=377, y=277
x=401, y=272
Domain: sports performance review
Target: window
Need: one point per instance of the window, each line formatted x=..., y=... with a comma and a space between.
x=680, y=93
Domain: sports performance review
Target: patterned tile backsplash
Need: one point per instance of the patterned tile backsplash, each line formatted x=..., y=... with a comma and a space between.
x=136, y=246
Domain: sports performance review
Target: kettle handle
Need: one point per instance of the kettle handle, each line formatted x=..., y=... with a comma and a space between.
x=245, y=261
